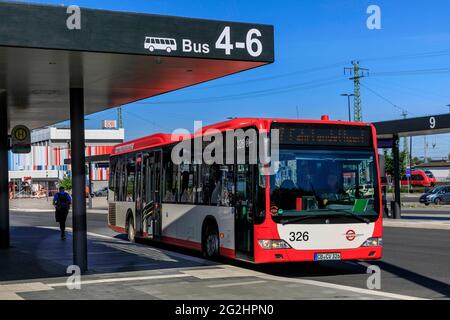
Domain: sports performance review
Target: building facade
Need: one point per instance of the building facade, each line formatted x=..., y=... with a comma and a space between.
x=50, y=149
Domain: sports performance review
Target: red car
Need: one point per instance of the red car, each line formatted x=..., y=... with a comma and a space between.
x=431, y=177
x=417, y=179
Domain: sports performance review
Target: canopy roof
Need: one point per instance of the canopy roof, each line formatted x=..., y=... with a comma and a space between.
x=111, y=57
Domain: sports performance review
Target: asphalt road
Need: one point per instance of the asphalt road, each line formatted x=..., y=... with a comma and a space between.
x=415, y=263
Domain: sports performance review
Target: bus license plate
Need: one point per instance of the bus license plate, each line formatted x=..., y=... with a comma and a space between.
x=327, y=256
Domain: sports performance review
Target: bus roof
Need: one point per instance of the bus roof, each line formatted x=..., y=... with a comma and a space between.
x=160, y=139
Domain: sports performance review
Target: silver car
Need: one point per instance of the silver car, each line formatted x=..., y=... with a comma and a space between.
x=438, y=195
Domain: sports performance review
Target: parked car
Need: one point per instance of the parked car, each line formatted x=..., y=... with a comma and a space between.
x=417, y=179
x=438, y=195
x=103, y=192
x=431, y=177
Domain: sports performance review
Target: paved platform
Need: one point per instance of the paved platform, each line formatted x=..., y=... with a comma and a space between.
x=35, y=268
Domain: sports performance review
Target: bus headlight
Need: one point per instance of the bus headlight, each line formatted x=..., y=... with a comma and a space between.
x=373, y=242
x=273, y=244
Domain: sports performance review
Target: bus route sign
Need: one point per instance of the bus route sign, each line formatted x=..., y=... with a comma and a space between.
x=20, y=139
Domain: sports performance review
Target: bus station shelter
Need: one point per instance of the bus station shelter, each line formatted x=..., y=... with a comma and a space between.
x=59, y=63
x=390, y=132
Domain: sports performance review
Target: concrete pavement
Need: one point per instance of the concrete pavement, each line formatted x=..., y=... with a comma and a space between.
x=415, y=264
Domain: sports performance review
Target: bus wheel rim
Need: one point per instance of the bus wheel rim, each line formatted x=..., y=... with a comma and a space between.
x=211, y=244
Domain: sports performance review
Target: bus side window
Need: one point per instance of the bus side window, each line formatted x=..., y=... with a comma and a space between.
x=170, y=172
x=112, y=177
x=131, y=172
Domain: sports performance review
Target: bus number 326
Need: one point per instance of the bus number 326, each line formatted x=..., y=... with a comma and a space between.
x=299, y=236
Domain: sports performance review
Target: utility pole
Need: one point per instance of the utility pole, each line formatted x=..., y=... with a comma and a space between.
x=348, y=95
x=357, y=73
x=425, y=149
x=407, y=159
x=119, y=117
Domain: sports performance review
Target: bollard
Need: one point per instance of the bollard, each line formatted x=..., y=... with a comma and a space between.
x=395, y=210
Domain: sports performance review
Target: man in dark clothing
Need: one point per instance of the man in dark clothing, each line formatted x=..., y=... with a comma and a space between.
x=62, y=202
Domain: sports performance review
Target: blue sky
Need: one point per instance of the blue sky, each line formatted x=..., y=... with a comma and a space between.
x=314, y=41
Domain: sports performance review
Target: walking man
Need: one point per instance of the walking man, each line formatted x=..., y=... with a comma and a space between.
x=62, y=202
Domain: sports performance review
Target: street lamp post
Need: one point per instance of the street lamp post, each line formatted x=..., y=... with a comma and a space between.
x=348, y=95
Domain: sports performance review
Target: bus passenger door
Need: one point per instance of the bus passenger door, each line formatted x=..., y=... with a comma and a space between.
x=151, y=202
x=244, y=212
x=139, y=194
x=156, y=192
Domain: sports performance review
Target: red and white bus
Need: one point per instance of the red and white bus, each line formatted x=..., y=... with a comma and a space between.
x=322, y=203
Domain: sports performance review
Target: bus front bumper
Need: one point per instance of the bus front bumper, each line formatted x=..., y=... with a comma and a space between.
x=293, y=255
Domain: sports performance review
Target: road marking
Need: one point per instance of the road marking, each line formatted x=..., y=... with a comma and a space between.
x=227, y=271
x=167, y=252
x=125, y=279
x=235, y=284
x=343, y=287
x=418, y=224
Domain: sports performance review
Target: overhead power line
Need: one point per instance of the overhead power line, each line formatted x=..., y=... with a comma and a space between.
x=403, y=110
x=267, y=78
x=253, y=94
x=411, y=72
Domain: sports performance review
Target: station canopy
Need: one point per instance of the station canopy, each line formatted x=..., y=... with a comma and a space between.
x=117, y=57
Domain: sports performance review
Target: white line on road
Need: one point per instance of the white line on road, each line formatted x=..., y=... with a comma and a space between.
x=343, y=287
x=125, y=279
x=235, y=284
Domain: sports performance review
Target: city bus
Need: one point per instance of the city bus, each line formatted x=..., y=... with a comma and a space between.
x=320, y=202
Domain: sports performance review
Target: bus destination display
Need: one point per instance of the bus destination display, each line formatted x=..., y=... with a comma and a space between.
x=326, y=135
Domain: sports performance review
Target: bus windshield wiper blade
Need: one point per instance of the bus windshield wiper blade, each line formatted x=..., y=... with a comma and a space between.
x=297, y=219
x=338, y=214
x=345, y=213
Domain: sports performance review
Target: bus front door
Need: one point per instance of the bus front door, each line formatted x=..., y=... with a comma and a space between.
x=244, y=212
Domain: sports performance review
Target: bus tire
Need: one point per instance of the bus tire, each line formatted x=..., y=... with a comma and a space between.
x=131, y=232
x=210, y=239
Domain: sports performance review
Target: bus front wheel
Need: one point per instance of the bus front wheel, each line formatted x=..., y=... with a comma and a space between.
x=211, y=241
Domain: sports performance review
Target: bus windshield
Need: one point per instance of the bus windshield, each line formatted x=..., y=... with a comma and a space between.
x=319, y=182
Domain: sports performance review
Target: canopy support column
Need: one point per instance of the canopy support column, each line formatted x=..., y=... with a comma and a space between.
x=396, y=208
x=4, y=185
x=78, y=178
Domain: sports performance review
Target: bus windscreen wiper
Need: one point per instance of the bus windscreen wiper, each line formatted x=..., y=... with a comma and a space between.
x=294, y=220
x=339, y=214
x=363, y=219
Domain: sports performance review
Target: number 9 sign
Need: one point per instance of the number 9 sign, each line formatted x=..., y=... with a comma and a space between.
x=432, y=122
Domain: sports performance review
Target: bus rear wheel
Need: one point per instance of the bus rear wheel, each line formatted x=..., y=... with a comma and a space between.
x=211, y=242
x=131, y=232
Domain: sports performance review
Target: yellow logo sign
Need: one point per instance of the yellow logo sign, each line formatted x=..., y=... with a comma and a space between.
x=21, y=134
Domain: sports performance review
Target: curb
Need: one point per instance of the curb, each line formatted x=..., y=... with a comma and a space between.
x=418, y=224
x=97, y=211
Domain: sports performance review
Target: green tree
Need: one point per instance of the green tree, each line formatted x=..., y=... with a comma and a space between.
x=389, y=161
x=66, y=183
